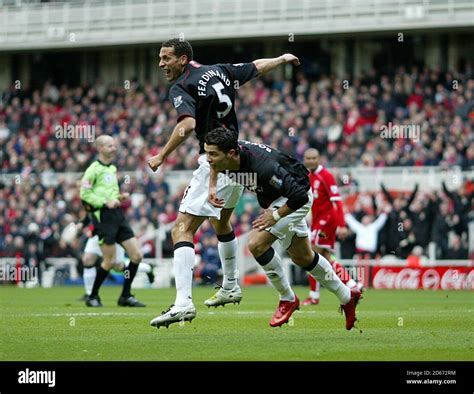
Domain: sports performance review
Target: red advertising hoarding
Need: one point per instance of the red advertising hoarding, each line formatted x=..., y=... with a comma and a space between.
x=429, y=278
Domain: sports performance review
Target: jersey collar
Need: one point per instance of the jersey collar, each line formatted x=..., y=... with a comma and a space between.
x=105, y=165
x=319, y=169
x=184, y=75
x=195, y=64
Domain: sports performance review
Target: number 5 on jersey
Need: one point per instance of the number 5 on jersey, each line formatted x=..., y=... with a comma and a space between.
x=223, y=98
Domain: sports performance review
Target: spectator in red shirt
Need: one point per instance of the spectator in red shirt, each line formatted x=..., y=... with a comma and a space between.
x=327, y=215
x=416, y=97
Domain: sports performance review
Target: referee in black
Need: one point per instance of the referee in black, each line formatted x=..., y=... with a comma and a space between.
x=100, y=193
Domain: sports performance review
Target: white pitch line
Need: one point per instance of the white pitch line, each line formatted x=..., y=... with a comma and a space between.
x=92, y=314
x=75, y=314
x=257, y=313
x=220, y=312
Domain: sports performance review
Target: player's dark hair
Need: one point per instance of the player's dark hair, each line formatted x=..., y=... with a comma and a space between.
x=224, y=138
x=181, y=47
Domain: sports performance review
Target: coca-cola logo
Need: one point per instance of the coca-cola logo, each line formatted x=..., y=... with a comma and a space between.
x=430, y=279
x=452, y=279
x=456, y=279
x=469, y=283
x=407, y=278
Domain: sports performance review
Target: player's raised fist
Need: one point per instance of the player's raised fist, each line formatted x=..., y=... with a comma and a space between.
x=289, y=58
x=155, y=162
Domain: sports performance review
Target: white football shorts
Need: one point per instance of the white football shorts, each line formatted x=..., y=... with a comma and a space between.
x=293, y=224
x=195, y=196
x=92, y=246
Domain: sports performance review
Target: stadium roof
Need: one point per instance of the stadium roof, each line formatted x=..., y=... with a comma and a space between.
x=123, y=22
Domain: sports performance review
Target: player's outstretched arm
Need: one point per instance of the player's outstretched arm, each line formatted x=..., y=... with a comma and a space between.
x=266, y=65
x=180, y=133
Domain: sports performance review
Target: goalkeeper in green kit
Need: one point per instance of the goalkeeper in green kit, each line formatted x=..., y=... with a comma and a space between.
x=101, y=195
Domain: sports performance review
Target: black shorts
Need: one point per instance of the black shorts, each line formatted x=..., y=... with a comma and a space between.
x=112, y=226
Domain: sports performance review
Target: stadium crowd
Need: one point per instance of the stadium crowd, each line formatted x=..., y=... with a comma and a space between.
x=342, y=121
x=344, y=124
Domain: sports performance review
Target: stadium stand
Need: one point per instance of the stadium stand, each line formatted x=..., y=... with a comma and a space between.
x=337, y=109
x=343, y=125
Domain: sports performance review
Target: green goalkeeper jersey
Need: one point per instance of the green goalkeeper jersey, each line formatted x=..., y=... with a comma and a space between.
x=99, y=184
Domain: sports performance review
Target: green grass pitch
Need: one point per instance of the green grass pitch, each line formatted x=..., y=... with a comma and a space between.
x=51, y=324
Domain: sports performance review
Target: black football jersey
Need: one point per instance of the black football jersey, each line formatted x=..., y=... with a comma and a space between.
x=207, y=94
x=271, y=174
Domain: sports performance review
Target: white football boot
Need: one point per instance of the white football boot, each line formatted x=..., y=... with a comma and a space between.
x=223, y=297
x=174, y=314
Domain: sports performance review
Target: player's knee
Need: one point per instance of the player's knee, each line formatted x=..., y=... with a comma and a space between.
x=108, y=256
x=118, y=266
x=136, y=257
x=107, y=264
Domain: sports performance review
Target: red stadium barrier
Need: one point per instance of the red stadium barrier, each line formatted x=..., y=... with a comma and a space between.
x=428, y=278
